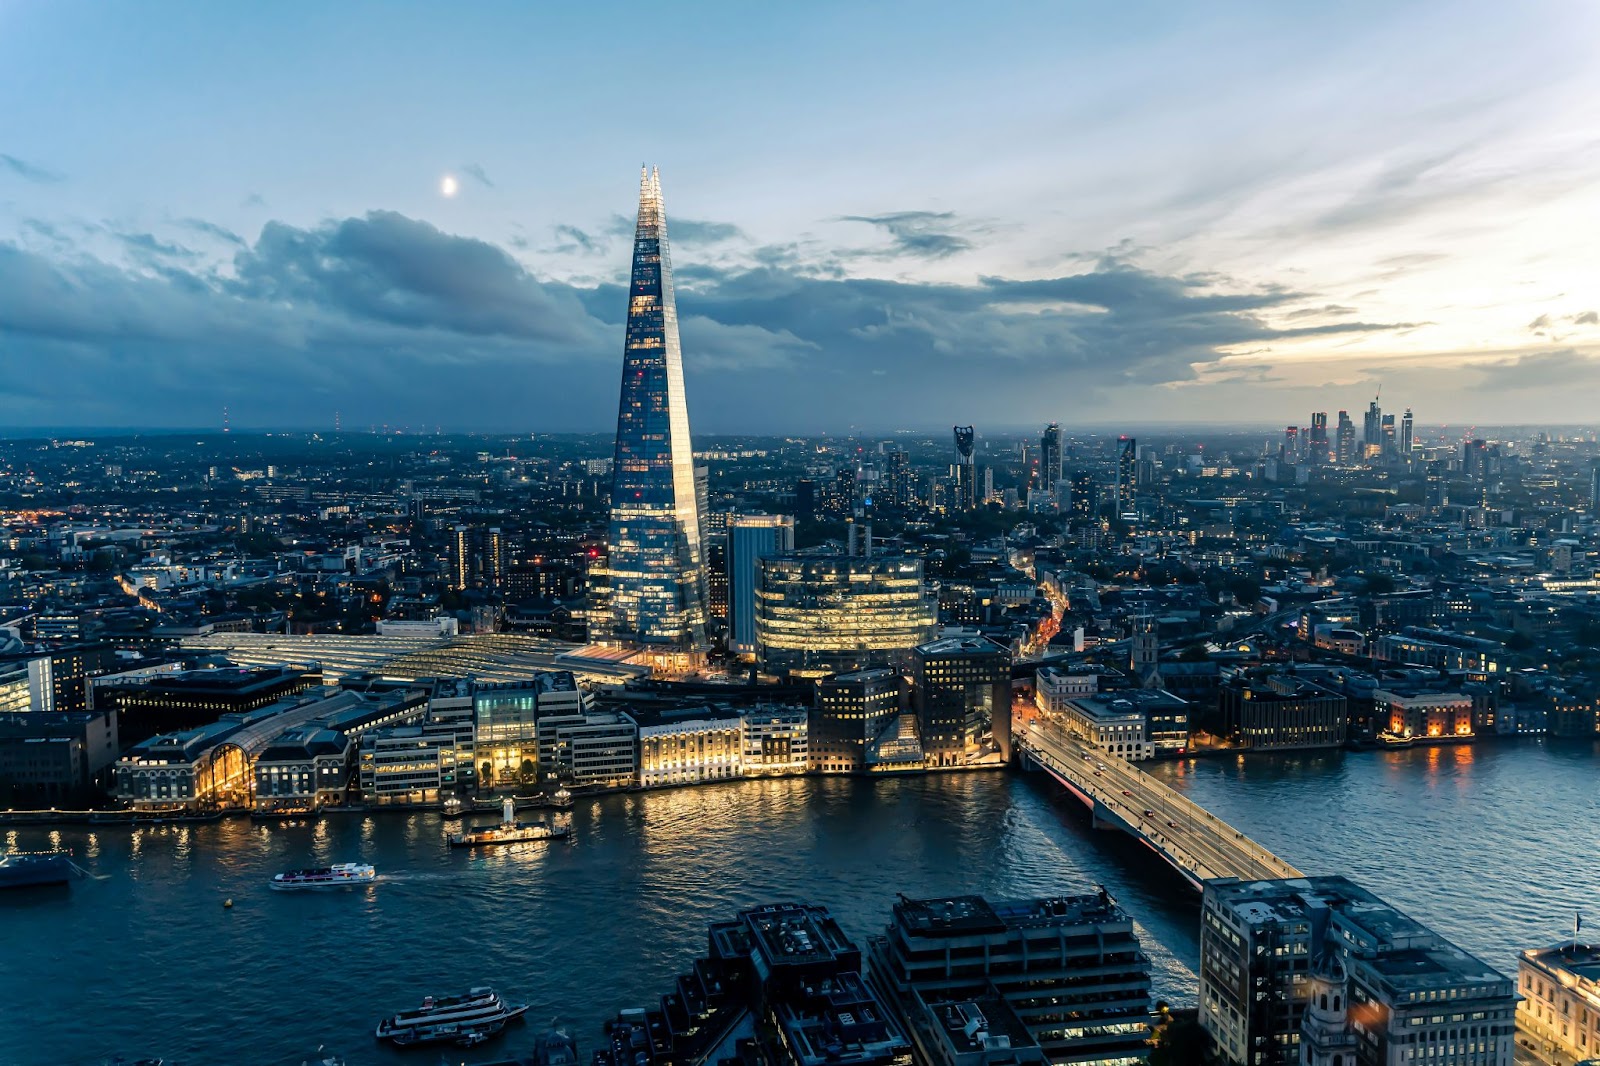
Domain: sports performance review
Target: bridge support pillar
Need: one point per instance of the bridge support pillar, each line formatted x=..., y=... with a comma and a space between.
x=1100, y=818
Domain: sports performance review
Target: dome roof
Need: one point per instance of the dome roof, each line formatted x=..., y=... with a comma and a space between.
x=1329, y=966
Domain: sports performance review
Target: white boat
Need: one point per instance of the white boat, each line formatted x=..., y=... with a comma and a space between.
x=340, y=875
x=448, y=1018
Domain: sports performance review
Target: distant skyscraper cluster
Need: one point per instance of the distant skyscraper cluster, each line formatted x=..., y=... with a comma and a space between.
x=1382, y=440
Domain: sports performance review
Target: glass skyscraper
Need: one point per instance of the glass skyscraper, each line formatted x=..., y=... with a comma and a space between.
x=655, y=595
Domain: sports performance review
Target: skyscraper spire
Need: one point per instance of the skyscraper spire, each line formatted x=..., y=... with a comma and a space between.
x=655, y=597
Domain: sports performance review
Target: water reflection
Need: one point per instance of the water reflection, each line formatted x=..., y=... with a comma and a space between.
x=580, y=930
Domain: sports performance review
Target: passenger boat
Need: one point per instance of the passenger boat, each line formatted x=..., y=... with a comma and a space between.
x=340, y=875
x=562, y=799
x=510, y=831
x=27, y=869
x=478, y=1008
x=452, y=1032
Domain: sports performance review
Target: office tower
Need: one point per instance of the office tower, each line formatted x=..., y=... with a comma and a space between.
x=1127, y=473
x=822, y=614
x=1345, y=443
x=656, y=581
x=1085, y=494
x=1372, y=426
x=1289, y=450
x=1594, y=489
x=961, y=689
x=751, y=538
x=853, y=711
x=1387, y=441
x=1071, y=968
x=1050, y=457
x=962, y=472
x=1409, y=989
x=805, y=499
x=1407, y=441
x=1318, y=444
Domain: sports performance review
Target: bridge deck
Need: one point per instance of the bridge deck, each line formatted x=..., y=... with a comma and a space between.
x=1195, y=841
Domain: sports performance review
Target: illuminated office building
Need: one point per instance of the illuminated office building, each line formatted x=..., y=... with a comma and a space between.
x=962, y=692
x=823, y=614
x=655, y=589
x=853, y=710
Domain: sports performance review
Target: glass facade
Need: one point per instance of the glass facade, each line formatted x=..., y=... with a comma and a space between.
x=655, y=587
x=751, y=538
x=823, y=614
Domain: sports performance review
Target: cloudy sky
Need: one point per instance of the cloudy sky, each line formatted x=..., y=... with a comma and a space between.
x=881, y=215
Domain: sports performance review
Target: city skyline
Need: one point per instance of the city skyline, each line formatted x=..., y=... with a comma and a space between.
x=1370, y=205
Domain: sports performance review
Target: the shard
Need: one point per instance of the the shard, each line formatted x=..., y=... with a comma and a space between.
x=655, y=595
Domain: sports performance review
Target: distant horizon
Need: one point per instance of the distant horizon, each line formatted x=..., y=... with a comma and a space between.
x=47, y=433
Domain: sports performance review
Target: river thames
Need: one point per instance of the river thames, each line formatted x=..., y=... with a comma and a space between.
x=1493, y=846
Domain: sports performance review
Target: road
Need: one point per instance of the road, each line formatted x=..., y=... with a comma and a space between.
x=1188, y=836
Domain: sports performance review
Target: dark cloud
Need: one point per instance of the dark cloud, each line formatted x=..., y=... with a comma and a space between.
x=1324, y=310
x=477, y=173
x=393, y=320
x=921, y=234
x=391, y=269
x=1586, y=318
x=211, y=229
x=574, y=239
x=1542, y=322
x=1562, y=368
x=693, y=231
x=29, y=171
x=146, y=246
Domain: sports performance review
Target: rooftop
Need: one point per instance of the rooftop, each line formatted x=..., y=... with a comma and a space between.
x=1580, y=960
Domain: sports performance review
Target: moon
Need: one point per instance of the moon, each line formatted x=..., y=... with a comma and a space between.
x=449, y=186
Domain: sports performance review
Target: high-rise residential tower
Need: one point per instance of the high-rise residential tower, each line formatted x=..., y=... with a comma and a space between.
x=655, y=589
x=1127, y=473
x=1407, y=438
x=1050, y=457
x=963, y=474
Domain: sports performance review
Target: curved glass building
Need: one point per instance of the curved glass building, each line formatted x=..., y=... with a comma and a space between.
x=825, y=614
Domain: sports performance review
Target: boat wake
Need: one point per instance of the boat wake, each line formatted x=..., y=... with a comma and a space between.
x=419, y=877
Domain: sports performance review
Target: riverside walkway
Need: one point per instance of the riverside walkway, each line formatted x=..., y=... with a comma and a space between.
x=1195, y=842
